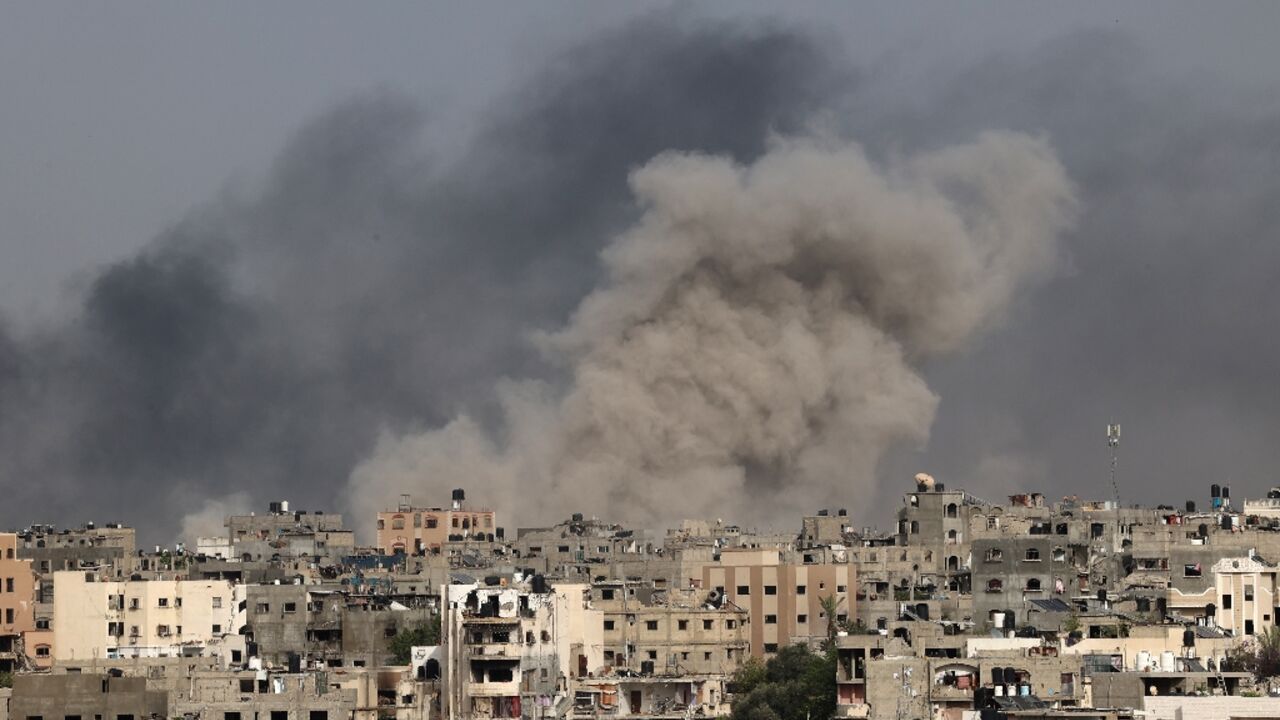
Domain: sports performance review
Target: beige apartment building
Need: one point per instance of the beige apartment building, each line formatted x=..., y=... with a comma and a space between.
x=783, y=601
x=141, y=618
x=415, y=530
x=17, y=604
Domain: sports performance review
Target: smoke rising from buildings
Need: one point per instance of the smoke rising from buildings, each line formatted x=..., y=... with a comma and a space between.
x=357, y=307
x=750, y=350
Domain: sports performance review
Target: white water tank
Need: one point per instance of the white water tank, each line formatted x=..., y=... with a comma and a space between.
x=1144, y=661
x=1167, y=663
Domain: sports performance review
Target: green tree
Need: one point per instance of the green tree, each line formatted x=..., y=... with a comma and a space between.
x=1260, y=655
x=6, y=680
x=830, y=608
x=796, y=684
x=402, y=644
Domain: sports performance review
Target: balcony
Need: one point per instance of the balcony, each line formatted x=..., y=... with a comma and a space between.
x=950, y=693
x=494, y=650
x=493, y=689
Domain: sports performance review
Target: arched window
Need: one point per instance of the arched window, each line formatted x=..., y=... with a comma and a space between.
x=1059, y=555
x=1033, y=554
x=397, y=522
x=952, y=510
x=432, y=522
x=1033, y=585
x=995, y=585
x=915, y=527
x=953, y=563
x=952, y=537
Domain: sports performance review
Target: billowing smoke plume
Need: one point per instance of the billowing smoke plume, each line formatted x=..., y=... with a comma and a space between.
x=750, y=349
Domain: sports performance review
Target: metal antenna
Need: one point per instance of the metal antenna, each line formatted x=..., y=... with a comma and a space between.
x=1113, y=441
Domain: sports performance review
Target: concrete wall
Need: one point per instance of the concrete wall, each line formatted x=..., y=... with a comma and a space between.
x=1210, y=708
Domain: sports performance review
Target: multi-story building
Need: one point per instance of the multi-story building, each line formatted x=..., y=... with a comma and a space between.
x=416, y=530
x=784, y=601
x=107, y=618
x=518, y=650
x=17, y=608
x=671, y=632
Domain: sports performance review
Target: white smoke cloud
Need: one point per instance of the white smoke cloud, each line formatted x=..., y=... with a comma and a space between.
x=210, y=519
x=751, y=351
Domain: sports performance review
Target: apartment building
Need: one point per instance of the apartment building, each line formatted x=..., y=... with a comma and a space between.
x=515, y=648
x=669, y=632
x=96, y=618
x=418, y=530
x=783, y=601
x=17, y=607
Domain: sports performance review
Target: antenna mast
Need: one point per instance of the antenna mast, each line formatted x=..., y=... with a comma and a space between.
x=1113, y=441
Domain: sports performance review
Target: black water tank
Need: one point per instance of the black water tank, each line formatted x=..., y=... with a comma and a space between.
x=1010, y=676
x=1210, y=610
x=501, y=533
x=1215, y=491
x=922, y=611
x=997, y=676
x=1102, y=595
x=1010, y=622
x=939, y=487
x=1226, y=492
x=577, y=517
x=1226, y=522
x=1191, y=506
x=1204, y=530
x=1188, y=638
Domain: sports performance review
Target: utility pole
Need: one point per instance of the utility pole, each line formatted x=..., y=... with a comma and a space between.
x=1113, y=441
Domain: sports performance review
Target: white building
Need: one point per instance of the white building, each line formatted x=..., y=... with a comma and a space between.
x=142, y=618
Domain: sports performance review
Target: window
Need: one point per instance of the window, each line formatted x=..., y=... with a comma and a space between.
x=42, y=623
x=995, y=555
x=802, y=618
x=771, y=647
x=801, y=589
x=563, y=548
x=730, y=624
x=432, y=522
x=1033, y=555
x=952, y=510
x=1059, y=555
x=608, y=624
x=915, y=527
x=1033, y=585
x=744, y=589
x=217, y=629
x=291, y=607
x=770, y=589
x=706, y=624
x=682, y=624
x=318, y=715
x=162, y=630
x=993, y=523
x=1191, y=570
x=397, y=522
x=1226, y=602
x=8, y=584
x=217, y=602
x=279, y=715
x=606, y=594
x=1248, y=627
x=770, y=619
x=164, y=602
x=653, y=654
x=1248, y=593
x=262, y=608
x=706, y=656
x=42, y=651
x=8, y=615
x=382, y=525
x=841, y=588
x=995, y=585
x=650, y=624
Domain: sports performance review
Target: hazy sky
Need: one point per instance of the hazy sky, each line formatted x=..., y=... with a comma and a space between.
x=126, y=125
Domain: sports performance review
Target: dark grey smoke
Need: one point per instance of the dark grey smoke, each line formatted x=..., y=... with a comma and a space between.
x=261, y=344
x=255, y=349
